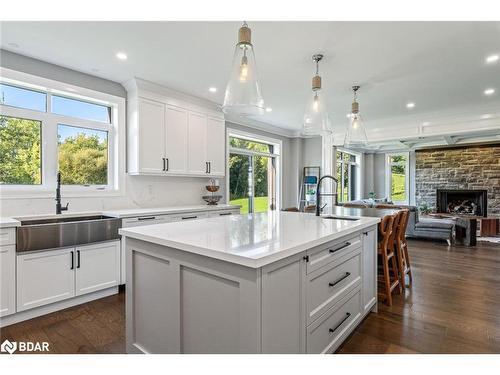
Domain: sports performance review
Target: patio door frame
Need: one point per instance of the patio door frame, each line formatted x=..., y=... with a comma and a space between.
x=275, y=155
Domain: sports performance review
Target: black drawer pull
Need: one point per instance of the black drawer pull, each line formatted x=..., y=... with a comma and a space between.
x=78, y=259
x=225, y=213
x=365, y=233
x=189, y=217
x=347, y=274
x=163, y=164
x=166, y=169
x=347, y=315
x=340, y=248
x=146, y=218
x=72, y=260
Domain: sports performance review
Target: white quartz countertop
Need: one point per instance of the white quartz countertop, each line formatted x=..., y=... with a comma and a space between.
x=252, y=240
x=134, y=212
x=9, y=222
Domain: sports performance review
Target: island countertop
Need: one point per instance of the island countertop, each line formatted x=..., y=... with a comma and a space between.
x=252, y=240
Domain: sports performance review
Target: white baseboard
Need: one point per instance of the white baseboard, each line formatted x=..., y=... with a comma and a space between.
x=53, y=307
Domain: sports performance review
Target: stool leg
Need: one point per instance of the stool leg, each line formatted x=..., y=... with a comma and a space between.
x=396, y=272
x=387, y=279
x=407, y=262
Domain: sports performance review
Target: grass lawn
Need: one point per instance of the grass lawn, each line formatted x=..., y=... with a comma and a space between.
x=398, y=187
x=260, y=204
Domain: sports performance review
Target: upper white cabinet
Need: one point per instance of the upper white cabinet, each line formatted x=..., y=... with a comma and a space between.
x=171, y=136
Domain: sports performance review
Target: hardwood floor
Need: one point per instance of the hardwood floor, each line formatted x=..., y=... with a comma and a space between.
x=453, y=307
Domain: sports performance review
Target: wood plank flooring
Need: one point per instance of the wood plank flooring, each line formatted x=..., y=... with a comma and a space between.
x=453, y=307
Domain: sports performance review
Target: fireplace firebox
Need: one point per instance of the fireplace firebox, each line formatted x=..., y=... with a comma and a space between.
x=462, y=202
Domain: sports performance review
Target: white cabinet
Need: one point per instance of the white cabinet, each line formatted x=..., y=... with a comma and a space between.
x=49, y=276
x=369, y=256
x=97, y=267
x=7, y=279
x=45, y=277
x=197, y=136
x=151, y=119
x=216, y=138
x=176, y=129
x=168, y=136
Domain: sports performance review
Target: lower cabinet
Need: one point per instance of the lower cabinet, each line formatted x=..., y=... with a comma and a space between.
x=97, y=267
x=7, y=280
x=50, y=276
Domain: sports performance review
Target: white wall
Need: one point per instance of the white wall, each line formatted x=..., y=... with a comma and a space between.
x=140, y=191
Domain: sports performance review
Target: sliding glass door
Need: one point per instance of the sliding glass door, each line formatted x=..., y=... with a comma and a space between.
x=252, y=176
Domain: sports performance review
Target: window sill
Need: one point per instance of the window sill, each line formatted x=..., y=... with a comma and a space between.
x=45, y=194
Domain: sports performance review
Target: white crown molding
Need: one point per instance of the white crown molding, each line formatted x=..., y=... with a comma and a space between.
x=262, y=126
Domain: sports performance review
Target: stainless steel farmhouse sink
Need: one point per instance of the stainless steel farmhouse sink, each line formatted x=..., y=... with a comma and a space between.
x=64, y=231
x=340, y=218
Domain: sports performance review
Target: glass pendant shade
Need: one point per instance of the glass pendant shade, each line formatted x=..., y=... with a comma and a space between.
x=243, y=96
x=356, y=134
x=316, y=120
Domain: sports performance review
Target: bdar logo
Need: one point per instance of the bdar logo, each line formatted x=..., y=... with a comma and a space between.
x=9, y=347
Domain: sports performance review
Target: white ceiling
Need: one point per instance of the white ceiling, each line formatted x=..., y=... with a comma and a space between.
x=440, y=66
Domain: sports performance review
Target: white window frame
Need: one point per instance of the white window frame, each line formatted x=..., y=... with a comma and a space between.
x=358, y=165
x=49, y=146
x=277, y=147
x=388, y=172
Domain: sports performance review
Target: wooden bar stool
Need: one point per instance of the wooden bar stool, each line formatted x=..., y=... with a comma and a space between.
x=386, y=253
x=401, y=246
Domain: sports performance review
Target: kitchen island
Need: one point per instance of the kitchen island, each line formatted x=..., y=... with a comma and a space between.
x=276, y=282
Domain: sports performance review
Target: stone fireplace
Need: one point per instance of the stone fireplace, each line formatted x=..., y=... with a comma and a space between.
x=473, y=168
x=462, y=202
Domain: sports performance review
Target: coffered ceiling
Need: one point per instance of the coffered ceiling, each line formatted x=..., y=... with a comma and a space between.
x=439, y=66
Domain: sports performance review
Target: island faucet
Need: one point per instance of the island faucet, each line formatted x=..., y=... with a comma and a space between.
x=319, y=195
x=59, y=207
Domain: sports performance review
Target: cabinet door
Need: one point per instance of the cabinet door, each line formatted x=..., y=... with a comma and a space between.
x=152, y=136
x=197, y=148
x=176, y=128
x=45, y=277
x=7, y=280
x=97, y=267
x=369, y=256
x=216, y=146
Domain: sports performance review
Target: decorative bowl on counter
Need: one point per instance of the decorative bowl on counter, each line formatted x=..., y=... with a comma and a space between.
x=212, y=188
x=212, y=199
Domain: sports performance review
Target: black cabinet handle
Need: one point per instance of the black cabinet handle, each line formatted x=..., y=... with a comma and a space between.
x=78, y=259
x=167, y=165
x=306, y=258
x=225, y=213
x=206, y=167
x=209, y=167
x=347, y=315
x=365, y=233
x=164, y=165
x=146, y=218
x=189, y=217
x=340, y=248
x=72, y=260
x=347, y=274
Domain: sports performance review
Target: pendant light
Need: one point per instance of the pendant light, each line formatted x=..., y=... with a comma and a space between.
x=356, y=134
x=243, y=95
x=316, y=121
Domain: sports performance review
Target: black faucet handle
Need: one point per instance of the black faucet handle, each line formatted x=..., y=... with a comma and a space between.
x=65, y=208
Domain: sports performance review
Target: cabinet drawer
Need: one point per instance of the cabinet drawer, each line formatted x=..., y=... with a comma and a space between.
x=326, y=286
x=222, y=213
x=144, y=220
x=189, y=216
x=332, y=251
x=8, y=236
x=324, y=335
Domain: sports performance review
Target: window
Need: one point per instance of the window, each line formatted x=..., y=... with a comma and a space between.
x=23, y=98
x=20, y=151
x=348, y=176
x=253, y=166
x=79, y=109
x=82, y=155
x=397, y=177
x=80, y=132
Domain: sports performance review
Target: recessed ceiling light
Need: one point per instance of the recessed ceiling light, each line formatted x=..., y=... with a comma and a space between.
x=121, y=56
x=492, y=58
x=348, y=115
x=212, y=89
x=410, y=105
x=269, y=109
x=489, y=91
x=427, y=123
x=486, y=116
